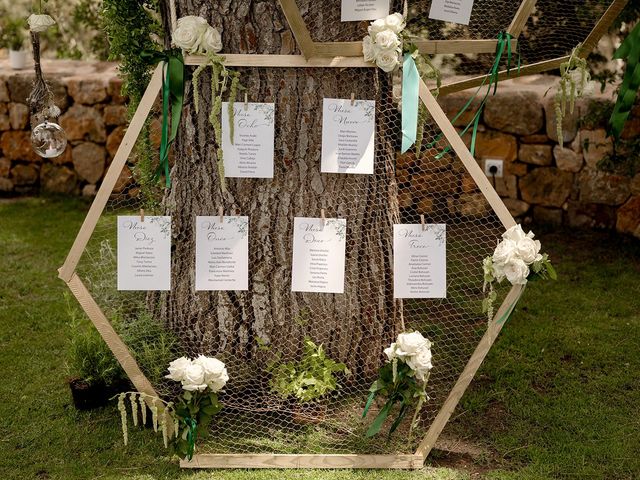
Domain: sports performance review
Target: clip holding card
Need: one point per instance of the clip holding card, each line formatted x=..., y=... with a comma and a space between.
x=424, y=227
x=246, y=101
x=353, y=99
x=221, y=214
x=142, y=214
x=323, y=218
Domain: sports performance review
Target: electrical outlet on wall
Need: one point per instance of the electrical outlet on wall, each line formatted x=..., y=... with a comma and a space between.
x=493, y=167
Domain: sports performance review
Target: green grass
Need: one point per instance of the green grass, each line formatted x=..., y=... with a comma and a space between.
x=558, y=396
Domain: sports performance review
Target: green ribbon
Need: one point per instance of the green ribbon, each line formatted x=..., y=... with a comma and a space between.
x=629, y=50
x=172, y=93
x=505, y=316
x=192, y=434
x=410, y=83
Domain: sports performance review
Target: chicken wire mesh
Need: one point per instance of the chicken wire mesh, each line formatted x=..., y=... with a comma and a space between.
x=255, y=418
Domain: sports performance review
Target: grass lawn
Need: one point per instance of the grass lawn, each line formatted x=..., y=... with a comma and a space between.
x=558, y=396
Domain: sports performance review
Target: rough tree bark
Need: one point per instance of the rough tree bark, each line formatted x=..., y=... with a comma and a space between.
x=354, y=326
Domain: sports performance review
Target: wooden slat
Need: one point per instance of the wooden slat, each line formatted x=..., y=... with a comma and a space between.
x=502, y=75
x=110, y=179
x=290, y=61
x=116, y=345
x=465, y=156
x=298, y=27
x=428, y=47
x=467, y=375
x=602, y=26
x=303, y=461
x=520, y=19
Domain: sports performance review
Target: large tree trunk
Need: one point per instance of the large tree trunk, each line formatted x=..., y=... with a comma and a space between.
x=354, y=326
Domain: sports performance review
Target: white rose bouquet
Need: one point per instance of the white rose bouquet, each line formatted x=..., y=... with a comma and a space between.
x=194, y=35
x=402, y=380
x=201, y=380
x=383, y=45
x=516, y=258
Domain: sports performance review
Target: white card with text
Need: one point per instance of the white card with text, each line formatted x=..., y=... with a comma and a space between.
x=420, y=261
x=356, y=10
x=348, y=140
x=251, y=152
x=222, y=253
x=456, y=11
x=144, y=253
x=318, y=255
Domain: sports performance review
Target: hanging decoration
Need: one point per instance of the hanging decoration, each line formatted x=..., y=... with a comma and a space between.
x=629, y=50
x=48, y=139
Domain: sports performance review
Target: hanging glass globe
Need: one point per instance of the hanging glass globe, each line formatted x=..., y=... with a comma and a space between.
x=48, y=139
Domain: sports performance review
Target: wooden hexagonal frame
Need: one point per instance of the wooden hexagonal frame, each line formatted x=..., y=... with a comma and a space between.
x=318, y=55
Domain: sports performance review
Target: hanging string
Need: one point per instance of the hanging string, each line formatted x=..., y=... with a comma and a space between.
x=172, y=15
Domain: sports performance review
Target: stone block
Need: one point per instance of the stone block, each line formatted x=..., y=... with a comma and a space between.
x=24, y=175
x=124, y=180
x=426, y=206
x=114, y=140
x=16, y=145
x=516, y=168
x=595, y=145
x=115, y=115
x=54, y=179
x=4, y=91
x=634, y=185
x=87, y=91
x=20, y=88
x=547, y=216
x=546, y=186
x=442, y=183
x=469, y=205
x=6, y=185
x=535, y=138
x=600, y=187
x=18, y=116
x=84, y=123
x=114, y=89
x=516, y=112
x=5, y=167
x=451, y=104
x=507, y=186
x=567, y=159
x=590, y=215
x=536, y=154
x=516, y=207
x=492, y=144
x=89, y=190
x=628, y=218
x=89, y=161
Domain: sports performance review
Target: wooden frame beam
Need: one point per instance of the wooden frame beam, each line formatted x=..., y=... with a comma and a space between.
x=520, y=19
x=250, y=460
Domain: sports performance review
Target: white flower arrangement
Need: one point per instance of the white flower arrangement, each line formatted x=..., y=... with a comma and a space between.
x=40, y=22
x=194, y=35
x=199, y=374
x=516, y=258
x=383, y=45
x=414, y=350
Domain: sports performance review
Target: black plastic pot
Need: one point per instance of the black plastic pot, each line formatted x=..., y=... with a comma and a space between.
x=87, y=396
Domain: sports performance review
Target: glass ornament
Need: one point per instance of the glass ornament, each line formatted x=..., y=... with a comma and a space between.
x=48, y=139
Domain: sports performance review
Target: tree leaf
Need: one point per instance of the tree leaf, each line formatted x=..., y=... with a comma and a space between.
x=377, y=423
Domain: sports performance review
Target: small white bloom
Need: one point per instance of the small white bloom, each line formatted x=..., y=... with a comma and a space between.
x=409, y=344
x=515, y=234
x=177, y=369
x=215, y=372
x=188, y=33
x=420, y=363
x=369, y=49
x=39, y=23
x=211, y=41
x=394, y=22
x=498, y=271
x=390, y=351
x=387, y=60
x=194, y=378
x=387, y=40
x=516, y=272
x=527, y=249
x=377, y=27
x=504, y=252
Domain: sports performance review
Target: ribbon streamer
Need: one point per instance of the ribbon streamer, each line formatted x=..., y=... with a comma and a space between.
x=410, y=85
x=172, y=93
x=629, y=50
x=505, y=316
x=192, y=434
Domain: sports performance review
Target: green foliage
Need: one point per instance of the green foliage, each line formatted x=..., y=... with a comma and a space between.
x=308, y=379
x=194, y=411
x=13, y=33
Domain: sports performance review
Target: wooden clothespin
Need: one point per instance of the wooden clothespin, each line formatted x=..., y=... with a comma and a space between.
x=221, y=214
x=422, y=222
x=142, y=214
x=246, y=101
x=324, y=220
x=353, y=98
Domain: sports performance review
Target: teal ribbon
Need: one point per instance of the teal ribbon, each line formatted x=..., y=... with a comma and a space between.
x=410, y=83
x=192, y=434
x=505, y=316
x=172, y=94
x=629, y=50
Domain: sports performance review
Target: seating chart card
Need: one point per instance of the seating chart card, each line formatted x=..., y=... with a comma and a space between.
x=222, y=253
x=348, y=141
x=356, y=10
x=144, y=253
x=318, y=255
x=251, y=153
x=456, y=11
x=419, y=261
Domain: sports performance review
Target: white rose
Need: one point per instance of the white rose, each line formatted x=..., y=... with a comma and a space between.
x=376, y=27
x=504, y=252
x=515, y=234
x=408, y=344
x=39, y=23
x=394, y=22
x=369, y=49
x=390, y=351
x=387, y=40
x=188, y=33
x=498, y=272
x=194, y=378
x=527, y=249
x=516, y=272
x=215, y=373
x=387, y=60
x=420, y=363
x=210, y=41
x=177, y=369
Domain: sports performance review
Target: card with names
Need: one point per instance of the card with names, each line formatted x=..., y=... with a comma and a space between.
x=318, y=255
x=456, y=11
x=222, y=253
x=420, y=261
x=356, y=10
x=348, y=136
x=250, y=154
x=144, y=253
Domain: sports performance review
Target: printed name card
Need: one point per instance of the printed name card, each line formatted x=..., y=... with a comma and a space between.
x=222, y=253
x=419, y=261
x=318, y=255
x=456, y=11
x=251, y=153
x=144, y=253
x=355, y=10
x=348, y=136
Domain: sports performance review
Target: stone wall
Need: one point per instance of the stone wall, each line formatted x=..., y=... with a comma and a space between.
x=542, y=181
